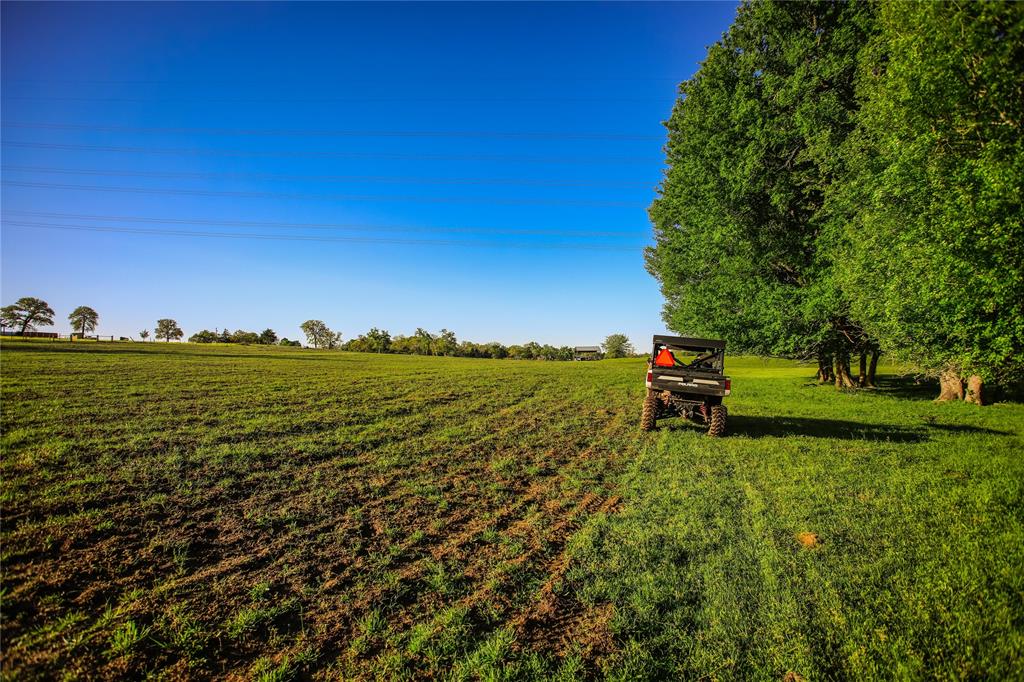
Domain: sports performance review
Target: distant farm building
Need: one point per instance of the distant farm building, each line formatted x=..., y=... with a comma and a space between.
x=586, y=353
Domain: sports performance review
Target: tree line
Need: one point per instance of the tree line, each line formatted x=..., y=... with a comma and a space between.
x=28, y=313
x=445, y=343
x=844, y=180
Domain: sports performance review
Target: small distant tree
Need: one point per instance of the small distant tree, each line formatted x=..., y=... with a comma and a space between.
x=144, y=334
x=320, y=335
x=379, y=340
x=167, y=329
x=286, y=342
x=26, y=314
x=204, y=336
x=84, y=319
x=268, y=337
x=617, y=346
x=242, y=336
x=423, y=341
x=445, y=343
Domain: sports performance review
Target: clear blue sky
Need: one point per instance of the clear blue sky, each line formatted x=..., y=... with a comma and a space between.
x=480, y=167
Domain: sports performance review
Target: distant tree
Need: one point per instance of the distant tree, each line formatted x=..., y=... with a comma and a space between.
x=617, y=346
x=167, y=329
x=268, y=337
x=379, y=340
x=26, y=314
x=445, y=343
x=204, y=336
x=144, y=334
x=286, y=342
x=424, y=341
x=224, y=336
x=84, y=319
x=242, y=336
x=320, y=335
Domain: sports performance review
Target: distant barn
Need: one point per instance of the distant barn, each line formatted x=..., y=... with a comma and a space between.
x=586, y=353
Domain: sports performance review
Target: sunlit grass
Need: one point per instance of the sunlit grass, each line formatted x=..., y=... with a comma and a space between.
x=278, y=513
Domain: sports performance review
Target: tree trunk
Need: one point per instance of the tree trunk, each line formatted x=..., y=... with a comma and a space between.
x=872, y=368
x=862, y=370
x=950, y=386
x=824, y=369
x=975, y=394
x=842, y=371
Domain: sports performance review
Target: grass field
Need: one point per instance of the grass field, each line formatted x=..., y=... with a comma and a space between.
x=260, y=513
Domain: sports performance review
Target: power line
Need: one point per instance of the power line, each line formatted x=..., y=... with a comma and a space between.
x=394, y=179
x=359, y=227
x=331, y=154
x=346, y=100
x=306, y=238
x=375, y=79
x=513, y=135
x=323, y=197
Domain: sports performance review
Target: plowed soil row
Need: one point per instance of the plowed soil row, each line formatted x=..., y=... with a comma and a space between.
x=199, y=512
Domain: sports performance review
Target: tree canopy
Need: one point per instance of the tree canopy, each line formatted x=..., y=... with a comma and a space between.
x=26, y=314
x=743, y=249
x=168, y=330
x=84, y=319
x=846, y=177
x=320, y=335
x=617, y=346
x=932, y=208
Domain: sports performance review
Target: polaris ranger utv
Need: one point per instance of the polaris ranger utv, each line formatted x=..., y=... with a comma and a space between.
x=686, y=378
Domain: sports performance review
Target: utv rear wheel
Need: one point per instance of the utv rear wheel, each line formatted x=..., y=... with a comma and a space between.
x=649, y=416
x=718, y=415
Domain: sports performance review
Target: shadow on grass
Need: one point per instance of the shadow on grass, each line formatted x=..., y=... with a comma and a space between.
x=781, y=427
x=907, y=387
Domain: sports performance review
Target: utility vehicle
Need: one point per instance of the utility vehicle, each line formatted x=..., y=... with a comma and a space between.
x=686, y=378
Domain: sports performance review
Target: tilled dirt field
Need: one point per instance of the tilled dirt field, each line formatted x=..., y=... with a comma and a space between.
x=193, y=511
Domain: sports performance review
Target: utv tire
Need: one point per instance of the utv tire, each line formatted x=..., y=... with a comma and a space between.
x=718, y=415
x=649, y=416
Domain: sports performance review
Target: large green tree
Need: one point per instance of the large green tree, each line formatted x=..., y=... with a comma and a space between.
x=168, y=330
x=743, y=247
x=932, y=260
x=26, y=314
x=319, y=335
x=617, y=346
x=84, y=319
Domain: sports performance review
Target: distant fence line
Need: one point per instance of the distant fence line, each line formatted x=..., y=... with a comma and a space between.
x=57, y=336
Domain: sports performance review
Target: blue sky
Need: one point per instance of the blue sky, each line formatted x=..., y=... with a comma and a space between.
x=480, y=167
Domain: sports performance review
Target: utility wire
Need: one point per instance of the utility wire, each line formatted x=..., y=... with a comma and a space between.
x=359, y=227
x=348, y=100
x=394, y=179
x=324, y=197
x=305, y=238
x=331, y=154
x=512, y=135
x=444, y=77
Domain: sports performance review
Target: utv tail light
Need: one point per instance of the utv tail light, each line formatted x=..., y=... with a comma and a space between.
x=728, y=386
x=665, y=358
x=650, y=378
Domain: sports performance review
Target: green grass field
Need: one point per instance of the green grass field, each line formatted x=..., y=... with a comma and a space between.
x=186, y=511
